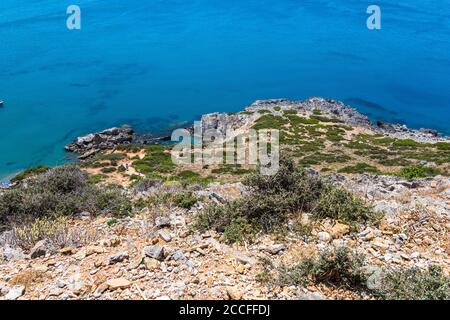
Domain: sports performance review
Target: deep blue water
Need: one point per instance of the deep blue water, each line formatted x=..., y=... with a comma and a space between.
x=153, y=64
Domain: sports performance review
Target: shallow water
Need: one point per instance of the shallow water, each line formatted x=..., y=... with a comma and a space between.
x=154, y=64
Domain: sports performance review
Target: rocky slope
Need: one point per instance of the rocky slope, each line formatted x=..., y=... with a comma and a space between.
x=156, y=253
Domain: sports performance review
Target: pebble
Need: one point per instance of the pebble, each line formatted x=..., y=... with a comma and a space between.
x=15, y=292
x=119, y=257
x=324, y=236
x=234, y=294
x=275, y=249
x=155, y=252
x=164, y=235
x=118, y=283
x=162, y=222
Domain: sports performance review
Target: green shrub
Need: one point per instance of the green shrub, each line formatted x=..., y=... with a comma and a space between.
x=111, y=222
x=360, y=168
x=269, y=121
x=415, y=284
x=339, y=267
x=108, y=170
x=289, y=112
x=406, y=143
x=185, y=199
x=273, y=199
x=343, y=268
x=297, y=120
x=29, y=173
x=340, y=204
x=62, y=191
x=96, y=178
x=156, y=160
x=416, y=172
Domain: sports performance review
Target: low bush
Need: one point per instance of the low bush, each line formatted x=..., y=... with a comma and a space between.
x=343, y=268
x=416, y=172
x=26, y=235
x=415, y=284
x=62, y=191
x=185, y=199
x=339, y=267
x=273, y=199
x=360, y=168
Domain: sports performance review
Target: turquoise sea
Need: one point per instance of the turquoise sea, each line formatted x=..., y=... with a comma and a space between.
x=154, y=64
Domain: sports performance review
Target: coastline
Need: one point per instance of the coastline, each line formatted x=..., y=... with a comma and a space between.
x=348, y=114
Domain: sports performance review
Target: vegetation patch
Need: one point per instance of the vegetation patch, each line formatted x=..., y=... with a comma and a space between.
x=340, y=268
x=156, y=160
x=270, y=121
x=415, y=284
x=276, y=198
x=62, y=191
x=417, y=172
x=360, y=168
x=29, y=173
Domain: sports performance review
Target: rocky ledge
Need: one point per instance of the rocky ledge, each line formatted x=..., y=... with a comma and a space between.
x=92, y=143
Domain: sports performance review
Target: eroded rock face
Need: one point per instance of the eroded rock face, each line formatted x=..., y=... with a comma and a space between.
x=92, y=143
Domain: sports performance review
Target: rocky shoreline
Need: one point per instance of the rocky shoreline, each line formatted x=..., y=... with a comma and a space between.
x=330, y=107
x=90, y=144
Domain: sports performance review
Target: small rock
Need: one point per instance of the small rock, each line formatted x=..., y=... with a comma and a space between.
x=380, y=244
x=4, y=290
x=40, y=249
x=162, y=222
x=100, y=290
x=90, y=250
x=119, y=257
x=234, y=293
x=309, y=295
x=369, y=236
x=155, y=252
x=85, y=215
x=151, y=264
x=339, y=229
x=163, y=298
x=240, y=269
x=118, y=283
x=324, y=236
x=67, y=251
x=164, y=235
x=15, y=292
x=275, y=249
x=402, y=236
x=13, y=253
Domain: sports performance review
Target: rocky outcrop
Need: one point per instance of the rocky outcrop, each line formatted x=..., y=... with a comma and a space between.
x=331, y=107
x=327, y=107
x=92, y=143
x=401, y=131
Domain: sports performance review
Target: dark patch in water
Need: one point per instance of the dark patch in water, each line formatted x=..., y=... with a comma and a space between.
x=79, y=85
x=97, y=107
x=362, y=103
